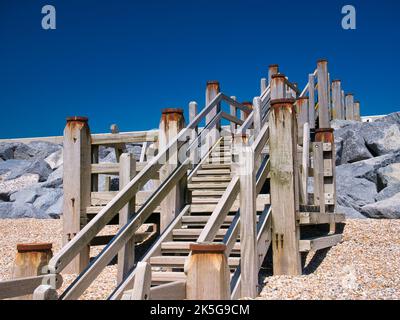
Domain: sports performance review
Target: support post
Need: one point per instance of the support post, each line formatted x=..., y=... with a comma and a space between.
x=263, y=85
x=193, y=111
x=284, y=188
x=323, y=94
x=278, y=86
x=272, y=70
x=349, y=100
x=233, y=112
x=248, y=216
x=326, y=136
x=319, y=192
x=126, y=256
x=302, y=116
x=172, y=121
x=208, y=275
x=77, y=185
x=357, y=114
x=311, y=100
x=257, y=115
x=244, y=115
x=212, y=90
x=337, y=100
x=31, y=260
x=305, y=164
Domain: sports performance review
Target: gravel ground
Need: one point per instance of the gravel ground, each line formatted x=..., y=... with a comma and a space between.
x=364, y=266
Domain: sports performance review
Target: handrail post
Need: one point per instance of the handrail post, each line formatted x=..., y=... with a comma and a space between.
x=77, y=185
x=357, y=114
x=193, y=111
x=208, y=275
x=244, y=115
x=323, y=94
x=337, y=100
x=263, y=85
x=278, y=86
x=349, y=100
x=284, y=188
x=272, y=70
x=172, y=122
x=311, y=100
x=302, y=116
x=248, y=216
x=257, y=116
x=233, y=112
x=212, y=90
x=126, y=256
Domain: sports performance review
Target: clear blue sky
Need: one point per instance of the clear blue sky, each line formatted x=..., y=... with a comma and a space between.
x=122, y=61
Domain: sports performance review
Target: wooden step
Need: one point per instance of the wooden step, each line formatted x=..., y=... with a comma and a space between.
x=315, y=244
x=207, y=185
x=184, y=246
x=227, y=160
x=203, y=193
x=203, y=219
x=312, y=218
x=216, y=166
x=221, y=154
x=160, y=277
x=205, y=200
x=221, y=172
x=212, y=178
x=262, y=200
x=179, y=261
x=193, y=234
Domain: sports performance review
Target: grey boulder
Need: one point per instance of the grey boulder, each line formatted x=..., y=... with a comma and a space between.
x=39, y=167
x=35, y=150
x=381, y=138
x=388, y=208
x=55, y=179
x=13, y=210
x=388, y=192
x=389, y=175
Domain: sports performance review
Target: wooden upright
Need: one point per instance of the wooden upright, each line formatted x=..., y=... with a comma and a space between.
x=284, y=188
x=172, y=121
x=77, y=185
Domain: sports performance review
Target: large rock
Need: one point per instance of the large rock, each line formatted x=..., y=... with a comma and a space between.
x=13, y=165
x=388, y=192
x=389, y=175
x=388, y=208
x=39, y=167
x=55, y=160
x=55, y=179
x=13, y=210
x=381, y=137
x=350, y=212
x=7, y=150
x=35, y=150
x=28, y=195
x=55, y=210
x=353, y=148
x=48, y=198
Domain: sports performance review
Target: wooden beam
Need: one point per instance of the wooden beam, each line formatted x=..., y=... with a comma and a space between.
x=316, y=244
x=311, y=100
x=170, y=291
x=349, y=100
x=337, y=100
x=318, y=171
x=141, y=288
x=284, y=188
x=77, y=185
x=126, y=256
x=323, y=94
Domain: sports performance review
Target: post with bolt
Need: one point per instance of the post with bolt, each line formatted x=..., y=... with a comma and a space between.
x=284, y=188
x=77, y=185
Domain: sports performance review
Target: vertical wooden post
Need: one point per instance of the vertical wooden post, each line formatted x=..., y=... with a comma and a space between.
x=272, y=70
x=208, y=276
x=257, y=115
x=284, y=188
x=244, y=115
x=326, y=136
x=357, y=114
x=194, y=154
x=305, y=164
x=263, y=85
x=302, y=116
x=248, y=215
x=349, y=100
x=126, y=256
x=278, y=86
x=337, y=99
x=233, y=112
x=212, y=90
x=172, y=121
x=30, y=261
x=323, y=94
x=319, y=192
x=343, y=101
x=77, y=185
x=311, y=100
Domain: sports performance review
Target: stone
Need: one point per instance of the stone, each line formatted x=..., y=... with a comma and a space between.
x=55, y=179
x=12, y=210
x=55, y=160
x=350, y=212
x=389, y=175
x=355, y=192
x=353, y=148
x=47, y=199
x=7, y=150
x=12, y=165
x=388, y=208
x=388, y=192
x=56, y=209
x=381, y=137
x=28, y=195
x=39, y=167
x=35, y=150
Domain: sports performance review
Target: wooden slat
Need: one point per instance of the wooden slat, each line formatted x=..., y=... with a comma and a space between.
x=170, y=291
x=231, y=118
x=101, y=198
x=124, y=137
x=179, y=261
x=319, y=243
x=311, y=218
x=113, y=168
x=24, y=286
x=167, y=276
